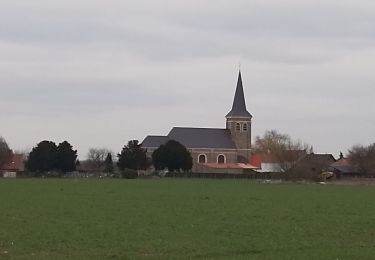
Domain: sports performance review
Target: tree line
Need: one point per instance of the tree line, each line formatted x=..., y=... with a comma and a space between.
x=51, y=159
x=286, y=152
x=61, y=158
x=47, y=156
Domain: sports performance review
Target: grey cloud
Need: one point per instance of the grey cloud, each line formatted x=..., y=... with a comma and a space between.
x=293, y=33
x=307, y=67
x=298, y=20
x=81, y=97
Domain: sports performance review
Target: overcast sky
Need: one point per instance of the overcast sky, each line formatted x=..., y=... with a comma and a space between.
x=99, y=73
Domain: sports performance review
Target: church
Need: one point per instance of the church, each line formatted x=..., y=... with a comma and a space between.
x=225, y=150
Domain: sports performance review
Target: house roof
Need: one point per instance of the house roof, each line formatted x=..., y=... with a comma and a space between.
x=315, y=162
x=258, y=158
x=344, y=166
x=342, y=162
x=202, y=137
x=16, y=164
x=239, y=104
x=313, y=157
x=211, y=138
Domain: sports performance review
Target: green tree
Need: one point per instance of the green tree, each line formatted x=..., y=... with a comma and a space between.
x=5, y=152
x=172, y=156
x=363, y=157
x=132, y=156
x=43, y=157
x=108, y=164
x=66, y=157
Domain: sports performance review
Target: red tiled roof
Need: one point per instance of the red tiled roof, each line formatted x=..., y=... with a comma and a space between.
x=16, y=164
x=258, y=158
x=341, y=162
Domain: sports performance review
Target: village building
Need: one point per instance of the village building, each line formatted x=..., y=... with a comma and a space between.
x=226, y=150
x=343, y=168
x=311, y=166
x=14, y=167
x=265, y=163
x=268, y=162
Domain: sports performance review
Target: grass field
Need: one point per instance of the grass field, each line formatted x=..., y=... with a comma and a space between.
x=184, y=219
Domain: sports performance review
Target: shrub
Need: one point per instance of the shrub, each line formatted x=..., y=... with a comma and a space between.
x=129, y=174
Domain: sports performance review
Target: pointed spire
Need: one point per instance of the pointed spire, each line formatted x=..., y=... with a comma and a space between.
x=239, y=104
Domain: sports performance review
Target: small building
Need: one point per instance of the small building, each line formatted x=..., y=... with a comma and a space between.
x=268, y=162
x=265, y=163
x=15, y=166
x=343, y=168
x=311, y=166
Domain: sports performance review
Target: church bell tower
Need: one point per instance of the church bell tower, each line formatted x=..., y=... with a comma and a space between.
x=238, y=121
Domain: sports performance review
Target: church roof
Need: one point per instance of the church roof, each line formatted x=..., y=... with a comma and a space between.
x=239, y=104
x=202, y=137
x=210, y=138
x=154, y=141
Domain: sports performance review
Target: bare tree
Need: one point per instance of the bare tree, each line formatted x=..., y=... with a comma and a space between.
x=24, y=152
x=96, y=158
x=363, y=157
x=282, y=148
x=5, y=152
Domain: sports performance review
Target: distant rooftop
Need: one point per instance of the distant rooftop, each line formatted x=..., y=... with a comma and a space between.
x=15, y=164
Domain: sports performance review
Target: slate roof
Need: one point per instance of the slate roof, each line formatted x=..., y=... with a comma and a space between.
x=320, y=158
x=318, y=162
x=239, y=104
x=346, y=169
x=202, y=137
x=211, y=138
x=154, y=141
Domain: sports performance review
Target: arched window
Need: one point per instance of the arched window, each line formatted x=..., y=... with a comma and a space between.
x=202, y=158
x=221, y=158
x=244, y=127
x=238, y=127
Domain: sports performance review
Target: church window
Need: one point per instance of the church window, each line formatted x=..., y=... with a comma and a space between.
x=202, y=158
x=238, y=127
x=244, y=127
x=221, y=158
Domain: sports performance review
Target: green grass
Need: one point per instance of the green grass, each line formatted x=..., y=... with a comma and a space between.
x=184, y=219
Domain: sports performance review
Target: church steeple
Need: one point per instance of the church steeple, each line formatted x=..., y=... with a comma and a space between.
x=239, y=124
x=239, y=104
